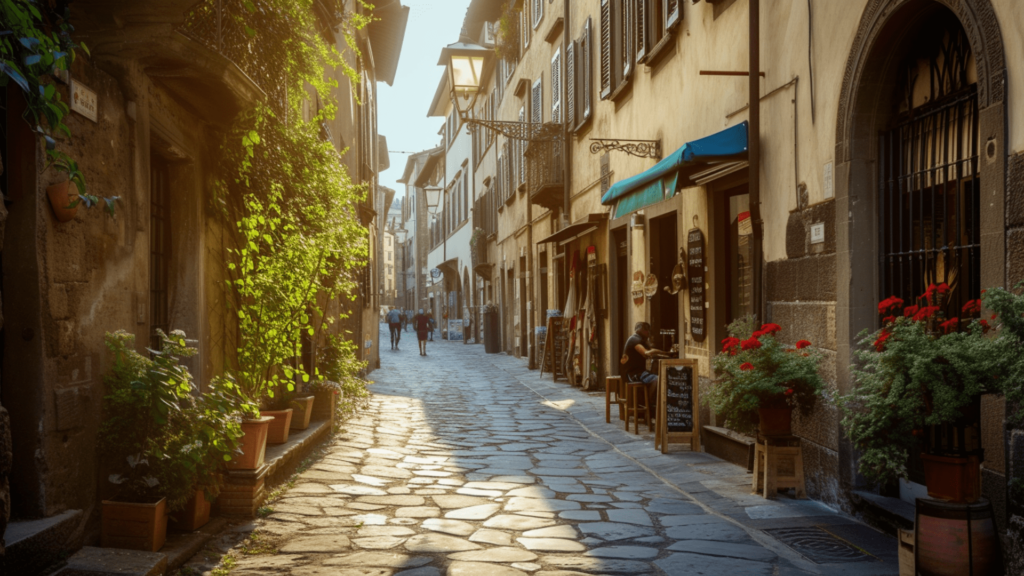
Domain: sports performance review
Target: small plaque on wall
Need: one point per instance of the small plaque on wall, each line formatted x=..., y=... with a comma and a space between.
x=84, y=101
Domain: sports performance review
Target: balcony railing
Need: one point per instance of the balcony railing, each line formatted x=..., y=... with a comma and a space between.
x=544, y=173
x=239, y=34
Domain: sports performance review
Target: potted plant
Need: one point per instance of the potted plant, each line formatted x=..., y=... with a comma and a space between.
x=209, y=437
x=921, y=375
x=66, y=195
x=140, y=435
x=760, y=380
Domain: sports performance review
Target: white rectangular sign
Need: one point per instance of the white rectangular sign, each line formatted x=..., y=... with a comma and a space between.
x=830, y=190
x=84, y=101
x=818, y=233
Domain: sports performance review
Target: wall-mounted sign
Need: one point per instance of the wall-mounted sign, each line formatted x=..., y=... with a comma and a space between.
x=435, y=273
x=84, y=101
x=695, y=271
x=651, y=286
x=637, y=289
x=817, y=233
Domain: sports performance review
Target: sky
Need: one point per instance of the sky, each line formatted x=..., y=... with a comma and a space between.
x=402, y=108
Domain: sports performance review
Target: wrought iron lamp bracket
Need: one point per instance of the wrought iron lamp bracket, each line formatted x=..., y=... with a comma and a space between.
x=526, y=131
x=639, y=148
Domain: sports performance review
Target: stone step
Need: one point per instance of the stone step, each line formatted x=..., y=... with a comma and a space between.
x=90, y=561
x=33, y=545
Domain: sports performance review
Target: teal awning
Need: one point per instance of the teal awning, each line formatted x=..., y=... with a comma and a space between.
x=675, y=171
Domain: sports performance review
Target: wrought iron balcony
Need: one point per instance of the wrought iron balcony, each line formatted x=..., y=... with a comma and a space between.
x=228, y=28
x=545, y=177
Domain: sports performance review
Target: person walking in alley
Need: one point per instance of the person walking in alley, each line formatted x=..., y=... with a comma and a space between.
x=430, y=317
x=395, y=326
x=421, y=323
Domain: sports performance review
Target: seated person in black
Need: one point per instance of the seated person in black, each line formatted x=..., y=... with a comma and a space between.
x=634, y=358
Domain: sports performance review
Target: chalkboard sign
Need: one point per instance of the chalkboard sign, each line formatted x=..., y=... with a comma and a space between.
x=695, y=259
x=678, y=404
x=553, y=349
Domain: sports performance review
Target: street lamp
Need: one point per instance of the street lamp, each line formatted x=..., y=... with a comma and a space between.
x=433, y=198
x=465, y=63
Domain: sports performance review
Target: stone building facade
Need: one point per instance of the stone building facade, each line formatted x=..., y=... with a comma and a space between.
x=846, y=89
x=167, y=87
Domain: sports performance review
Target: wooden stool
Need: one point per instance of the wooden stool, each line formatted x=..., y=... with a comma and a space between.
x=613, y=386
x=633, y=390
x=778, y=463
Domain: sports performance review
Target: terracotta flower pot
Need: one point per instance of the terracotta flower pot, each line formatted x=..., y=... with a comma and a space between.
x=254, y=445
x=61, y=195
x=303, y=412
x=323, y=405
x=954, y=479
x=278, y=431
x=194, y=516
x=134, y=526
x=776, y=421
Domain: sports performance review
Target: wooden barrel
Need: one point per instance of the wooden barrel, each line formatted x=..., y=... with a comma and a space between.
x=955, y=539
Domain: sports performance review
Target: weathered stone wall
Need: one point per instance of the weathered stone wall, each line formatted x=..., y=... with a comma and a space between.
x=1014, y=437
x=801, y=296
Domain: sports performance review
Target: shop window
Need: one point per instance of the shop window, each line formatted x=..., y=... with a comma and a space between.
x=159, y=250
x=740, y=252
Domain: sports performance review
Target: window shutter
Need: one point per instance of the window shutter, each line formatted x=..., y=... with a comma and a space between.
x=497, y=184
x=556, y=87
x=586, y=56
x=570, y=84
x=606, y=48
x=536, y=102
x=641, y=19
x=628, y=42
x=524, y=28
x=521, y=148
x=673, y=13
x=506, y=172
x=538, y=12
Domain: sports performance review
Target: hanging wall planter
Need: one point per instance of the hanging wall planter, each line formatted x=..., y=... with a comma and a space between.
x=61, y=196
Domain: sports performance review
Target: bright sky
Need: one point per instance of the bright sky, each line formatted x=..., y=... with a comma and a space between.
x=402, y=108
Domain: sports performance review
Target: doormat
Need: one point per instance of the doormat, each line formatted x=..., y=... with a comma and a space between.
x=818, y=546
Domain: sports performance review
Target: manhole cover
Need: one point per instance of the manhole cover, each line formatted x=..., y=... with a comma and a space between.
x=817, y=545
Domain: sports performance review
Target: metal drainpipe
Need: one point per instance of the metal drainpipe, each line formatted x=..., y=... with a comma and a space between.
x=754, y=150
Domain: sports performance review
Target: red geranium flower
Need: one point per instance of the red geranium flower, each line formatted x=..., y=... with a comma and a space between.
x=972, y=307
x=751, y=344
x=950, y=325
x=925, y=313
x=770, y=328
x=890, y=303
x=801, y=344
x=746, y=366
x=909, y=311
x=880, y=342
x=889, y=319
x=789, y=391
x=985, y=326
x=730, y=343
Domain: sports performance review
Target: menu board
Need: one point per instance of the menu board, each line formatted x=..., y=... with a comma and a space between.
x=678, y=404
x=455, y=330
x=553, y=349
x=695, y=265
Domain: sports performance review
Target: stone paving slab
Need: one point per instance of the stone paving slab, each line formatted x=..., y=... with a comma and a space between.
x=465, y=463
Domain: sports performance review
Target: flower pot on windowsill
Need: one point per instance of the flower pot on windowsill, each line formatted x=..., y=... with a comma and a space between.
x=279, y=426
x=134, y=526
x=954, y=479
x=254, y=445
x=303, y=412
x=776, y=420
x=61, y=195
x=194, y=515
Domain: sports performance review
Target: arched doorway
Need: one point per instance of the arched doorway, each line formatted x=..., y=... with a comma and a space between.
x=920, y=129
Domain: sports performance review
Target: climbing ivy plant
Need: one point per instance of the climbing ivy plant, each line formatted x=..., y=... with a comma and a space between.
x=35, y=43
x=289, y=206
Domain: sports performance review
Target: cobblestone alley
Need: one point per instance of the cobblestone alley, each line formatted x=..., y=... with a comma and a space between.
x=470, y=464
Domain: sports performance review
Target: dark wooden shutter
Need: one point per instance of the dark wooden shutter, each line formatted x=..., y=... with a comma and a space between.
x=606, y=48
x=627, y=19
x=520, y=149
x=673, y=13
x=640, y=26
x=586, y=56
x=570, y=84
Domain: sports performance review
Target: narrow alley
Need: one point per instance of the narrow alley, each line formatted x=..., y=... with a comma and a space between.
x=470, y=464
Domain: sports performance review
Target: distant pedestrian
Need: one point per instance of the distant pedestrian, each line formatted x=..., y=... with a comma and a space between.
x=405, y=320
x=395, y=326
x=430, y=317
x=421, y=323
